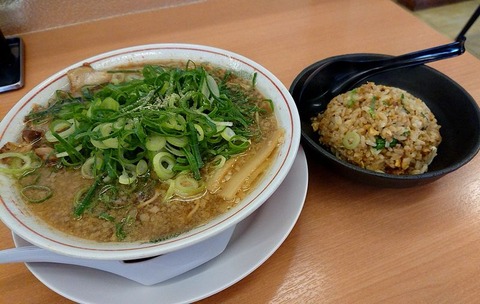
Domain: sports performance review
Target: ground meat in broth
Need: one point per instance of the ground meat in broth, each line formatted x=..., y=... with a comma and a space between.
x=156, y=220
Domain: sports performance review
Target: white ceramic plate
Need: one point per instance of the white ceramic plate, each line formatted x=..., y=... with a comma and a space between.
x=255, y=239
x=18, y=219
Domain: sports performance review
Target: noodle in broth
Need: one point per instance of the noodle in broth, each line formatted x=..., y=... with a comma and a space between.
x=140, y=184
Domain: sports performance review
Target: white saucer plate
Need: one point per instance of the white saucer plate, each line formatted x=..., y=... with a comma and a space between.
x=254, y=240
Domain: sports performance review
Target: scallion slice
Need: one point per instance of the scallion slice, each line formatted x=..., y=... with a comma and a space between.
x=351, y=140
x=19, y=164
x=163, y=163
x=36, y=193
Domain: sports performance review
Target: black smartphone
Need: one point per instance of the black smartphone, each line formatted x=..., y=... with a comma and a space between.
x=11, y=63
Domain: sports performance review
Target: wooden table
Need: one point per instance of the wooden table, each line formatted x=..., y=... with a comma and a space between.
x=353, y=243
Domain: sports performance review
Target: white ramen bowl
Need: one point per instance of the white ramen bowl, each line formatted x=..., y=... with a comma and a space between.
x=17, y=217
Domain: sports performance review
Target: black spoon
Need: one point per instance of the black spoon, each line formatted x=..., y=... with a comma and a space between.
x=338, y=75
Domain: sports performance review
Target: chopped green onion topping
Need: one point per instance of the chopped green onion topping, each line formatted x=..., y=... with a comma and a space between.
x=187, y=186
x=18, y=163
x=351, y=140
x=381, y=143
x=163, y=163
x=36, y=193
x=157, y=121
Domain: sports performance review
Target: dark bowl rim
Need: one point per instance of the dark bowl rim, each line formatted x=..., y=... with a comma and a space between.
x=427, y=175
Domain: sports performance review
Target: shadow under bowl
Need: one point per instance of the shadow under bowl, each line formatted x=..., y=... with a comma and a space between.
x=456, y=111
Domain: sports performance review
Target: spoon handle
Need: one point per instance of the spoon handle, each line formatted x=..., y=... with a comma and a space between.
x=467, y=26
x=445, y=51
x=22, y=254
x=428, y=55
x=32, y=253
x=144, y=271
x=436, y=53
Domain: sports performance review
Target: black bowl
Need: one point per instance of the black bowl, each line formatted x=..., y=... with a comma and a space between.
x=456, y=112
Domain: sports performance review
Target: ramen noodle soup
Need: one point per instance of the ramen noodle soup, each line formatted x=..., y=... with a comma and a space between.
x=380, y=128
x=143, y=153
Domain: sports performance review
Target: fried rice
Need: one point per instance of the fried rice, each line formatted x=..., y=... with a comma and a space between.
x=380, y=128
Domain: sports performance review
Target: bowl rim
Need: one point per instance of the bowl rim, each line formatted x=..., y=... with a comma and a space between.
x=392, y=177
x=198, y=234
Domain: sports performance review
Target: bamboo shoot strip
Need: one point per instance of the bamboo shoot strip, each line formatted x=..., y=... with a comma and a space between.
x=232, y=186
x=214, y=181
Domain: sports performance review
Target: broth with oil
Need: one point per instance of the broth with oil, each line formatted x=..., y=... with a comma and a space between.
x=143, y=153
